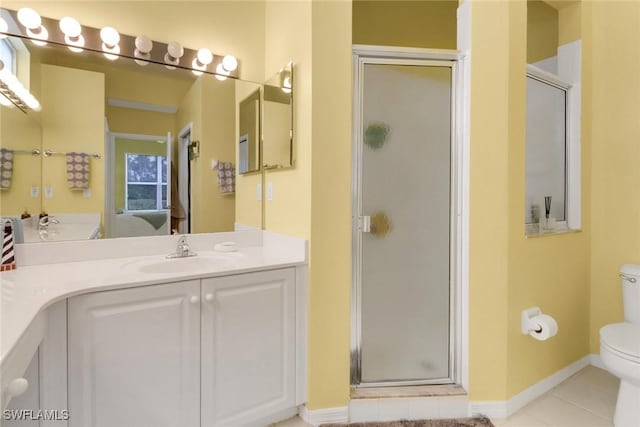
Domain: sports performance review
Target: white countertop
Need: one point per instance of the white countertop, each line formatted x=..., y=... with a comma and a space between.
x=30, y=289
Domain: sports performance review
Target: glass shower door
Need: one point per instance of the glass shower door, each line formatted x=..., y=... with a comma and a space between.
x=404, y=223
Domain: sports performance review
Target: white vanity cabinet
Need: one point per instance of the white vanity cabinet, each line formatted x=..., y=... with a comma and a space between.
x=212, y=352
x=134, y=357
x=248, y=348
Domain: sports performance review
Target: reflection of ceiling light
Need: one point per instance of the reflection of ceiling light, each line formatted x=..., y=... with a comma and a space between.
x=3, y=28
x=173, y=55
x=33, y=24
x=229, y=63
x=202, y=59
x=143, y=49
x=110, y=38
x=72, y=33
x=221, y=73
x=11, y=87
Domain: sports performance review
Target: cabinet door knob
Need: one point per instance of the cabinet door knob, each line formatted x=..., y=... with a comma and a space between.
x=208, y=297
x=194, y=299
x=17, y=387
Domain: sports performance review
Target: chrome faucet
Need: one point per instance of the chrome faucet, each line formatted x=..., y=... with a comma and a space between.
x=45, y=221
x=182, y=250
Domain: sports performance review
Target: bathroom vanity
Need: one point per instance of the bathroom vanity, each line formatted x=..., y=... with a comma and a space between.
x=213, y=340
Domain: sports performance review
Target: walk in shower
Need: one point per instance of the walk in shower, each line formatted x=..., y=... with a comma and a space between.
x=403, y=222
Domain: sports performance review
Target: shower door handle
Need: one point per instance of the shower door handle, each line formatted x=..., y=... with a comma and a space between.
x=365, y=222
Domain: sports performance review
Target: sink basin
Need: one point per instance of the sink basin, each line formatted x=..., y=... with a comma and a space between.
x=178, y=265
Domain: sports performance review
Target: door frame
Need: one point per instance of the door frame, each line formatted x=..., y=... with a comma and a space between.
x=184, y=176
x=458, y=280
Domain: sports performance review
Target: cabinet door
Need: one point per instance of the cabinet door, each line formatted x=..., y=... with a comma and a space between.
x=248, y=347
x=134, y=357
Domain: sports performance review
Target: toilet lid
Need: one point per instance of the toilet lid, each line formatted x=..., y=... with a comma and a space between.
x=623, y=338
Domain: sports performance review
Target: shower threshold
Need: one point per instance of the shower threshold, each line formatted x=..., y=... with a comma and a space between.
x=407, y=391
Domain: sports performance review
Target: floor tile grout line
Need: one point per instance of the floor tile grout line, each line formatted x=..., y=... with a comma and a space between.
x=584, y=409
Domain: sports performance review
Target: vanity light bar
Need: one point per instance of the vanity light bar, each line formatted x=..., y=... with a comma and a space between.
x=108, y=41
x=13, y=90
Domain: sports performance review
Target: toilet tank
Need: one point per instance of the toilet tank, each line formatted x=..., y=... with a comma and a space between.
x=630, y=277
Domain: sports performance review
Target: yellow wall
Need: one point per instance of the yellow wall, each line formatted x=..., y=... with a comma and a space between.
x=225, y=27
x=489, y=177
x=509, y=272
x=141, y=122
x=124, y=146
x=288, y=37
x=426, y=23
x=248, y=207
x=542, y=31
x=615, y=201
x=569, y=23
x=211, y=211
x=217, y=141
x=330, y=264
x=18, y=131
x=72, y=126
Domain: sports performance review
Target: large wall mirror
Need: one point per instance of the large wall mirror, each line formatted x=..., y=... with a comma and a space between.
x=158, y=150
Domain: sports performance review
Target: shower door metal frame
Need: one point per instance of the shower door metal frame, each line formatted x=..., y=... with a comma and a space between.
x=363, y=55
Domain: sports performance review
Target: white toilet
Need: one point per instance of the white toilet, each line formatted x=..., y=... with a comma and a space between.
x=620, y=350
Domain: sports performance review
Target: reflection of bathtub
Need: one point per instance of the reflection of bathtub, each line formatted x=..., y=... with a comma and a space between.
x=131, y=225
x=71, y=227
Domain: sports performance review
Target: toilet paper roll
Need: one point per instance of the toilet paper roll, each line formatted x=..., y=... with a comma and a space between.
x=544, y=327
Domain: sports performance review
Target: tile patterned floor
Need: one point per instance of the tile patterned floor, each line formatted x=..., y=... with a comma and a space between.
x=587, y=399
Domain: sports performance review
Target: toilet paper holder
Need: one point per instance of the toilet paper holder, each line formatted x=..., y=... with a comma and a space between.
x=527, y=324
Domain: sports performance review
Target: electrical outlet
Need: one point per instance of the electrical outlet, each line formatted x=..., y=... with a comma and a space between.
x=48, y=192
x=86, y=193
x=269, y=191
x=259, y=192
x=35, y=191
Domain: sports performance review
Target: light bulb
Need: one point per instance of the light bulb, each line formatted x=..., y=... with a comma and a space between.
x=143, y=44
x=221, y=72
x=29, y=18
x=70, y=27
x=230, y=63
x=200, y=62
x=175, y=49
x=3, y=28
x=205, y=56
x=142, y=50
x=173, y=55
x=110, y=37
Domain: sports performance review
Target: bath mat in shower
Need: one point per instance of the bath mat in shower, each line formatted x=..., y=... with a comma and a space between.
x=455, y=422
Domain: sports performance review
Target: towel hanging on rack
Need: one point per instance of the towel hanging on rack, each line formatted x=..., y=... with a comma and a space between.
x=6, y=168
x=77, y=170
x=226, y=177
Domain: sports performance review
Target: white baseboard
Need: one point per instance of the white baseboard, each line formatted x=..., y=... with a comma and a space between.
x=596, y=361
x=505, y=408
x=323, y=416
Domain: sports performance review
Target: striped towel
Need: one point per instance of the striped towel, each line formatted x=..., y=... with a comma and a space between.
x=6, y=168
x=77, y=171
x=226, y=178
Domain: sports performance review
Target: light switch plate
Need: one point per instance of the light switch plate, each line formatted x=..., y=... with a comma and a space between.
x=259, y=192
x=48, y=192
x=35, y=191
x=86, y=193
